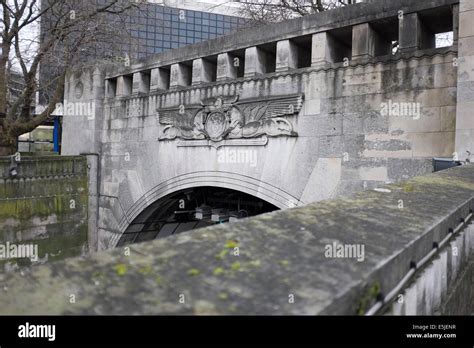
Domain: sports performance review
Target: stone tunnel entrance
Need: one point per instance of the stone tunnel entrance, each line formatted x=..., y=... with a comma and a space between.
x=191, y=209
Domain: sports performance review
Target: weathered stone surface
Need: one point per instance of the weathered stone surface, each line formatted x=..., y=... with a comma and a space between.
x=356, y=119
x=464, y=118
x=255, y=61
x=160, y=79
x=286, y=55
x=180, y=75
x=141, y=83
x=45, y=205
x=203, y=71
x=307, y=25
x=280, y=254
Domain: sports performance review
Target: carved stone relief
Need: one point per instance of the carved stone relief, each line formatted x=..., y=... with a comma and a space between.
x=222, y=119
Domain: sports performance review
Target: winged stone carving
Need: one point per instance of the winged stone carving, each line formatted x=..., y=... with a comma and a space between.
x=221, y=118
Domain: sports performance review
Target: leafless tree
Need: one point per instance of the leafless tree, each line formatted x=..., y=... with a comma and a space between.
x=267, y=11
x=73, y=26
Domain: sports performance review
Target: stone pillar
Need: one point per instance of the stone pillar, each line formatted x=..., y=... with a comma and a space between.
x=92, y=92
x=255, y=61
x=321, y=51
x=203, y=71
x=286, y=56
x=93, y=203
x=159, y=79
x=110, y=88
x=124, y=86
x=455, y=24
x=226, y=67
x=465, y=88
x=141, y=83
x=180, y=76
x=363, y=41
x=413, y=34
x=199, y=75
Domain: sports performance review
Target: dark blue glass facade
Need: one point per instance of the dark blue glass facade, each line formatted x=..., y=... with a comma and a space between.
x=143, y=31
x=155, y=29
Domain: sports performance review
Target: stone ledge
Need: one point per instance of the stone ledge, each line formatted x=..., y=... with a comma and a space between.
x=390, y=62
x=45, y=166
x=319, y=22
x=281, y=254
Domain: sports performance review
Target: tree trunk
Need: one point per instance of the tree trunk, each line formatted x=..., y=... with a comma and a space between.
x=8, y=143
x=3, y=77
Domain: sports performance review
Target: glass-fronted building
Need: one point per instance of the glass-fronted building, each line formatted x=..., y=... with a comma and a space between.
x=149, y=29
x=155, y=28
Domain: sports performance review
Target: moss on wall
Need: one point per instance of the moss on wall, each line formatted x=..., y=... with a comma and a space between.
x=45, y=205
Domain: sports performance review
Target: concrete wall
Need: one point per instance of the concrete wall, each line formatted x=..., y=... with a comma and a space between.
x=349, y=137
x=344, y=143
x=465, y=101
x=281, y=265
x=44, y=205
x=445, y=285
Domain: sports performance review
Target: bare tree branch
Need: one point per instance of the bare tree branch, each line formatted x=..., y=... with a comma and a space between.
x=70, y=27
x=267, y=11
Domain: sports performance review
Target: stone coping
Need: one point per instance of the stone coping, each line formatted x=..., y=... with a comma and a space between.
x=40, y=166
x=289, y=29
x=282, y=257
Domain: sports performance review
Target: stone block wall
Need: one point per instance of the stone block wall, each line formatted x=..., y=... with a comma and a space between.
x=44, y=205
x=465, y=99
x=367, y=116
x=282, y=255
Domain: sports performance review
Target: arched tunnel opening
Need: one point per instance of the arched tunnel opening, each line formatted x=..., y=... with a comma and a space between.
x=191, y=209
